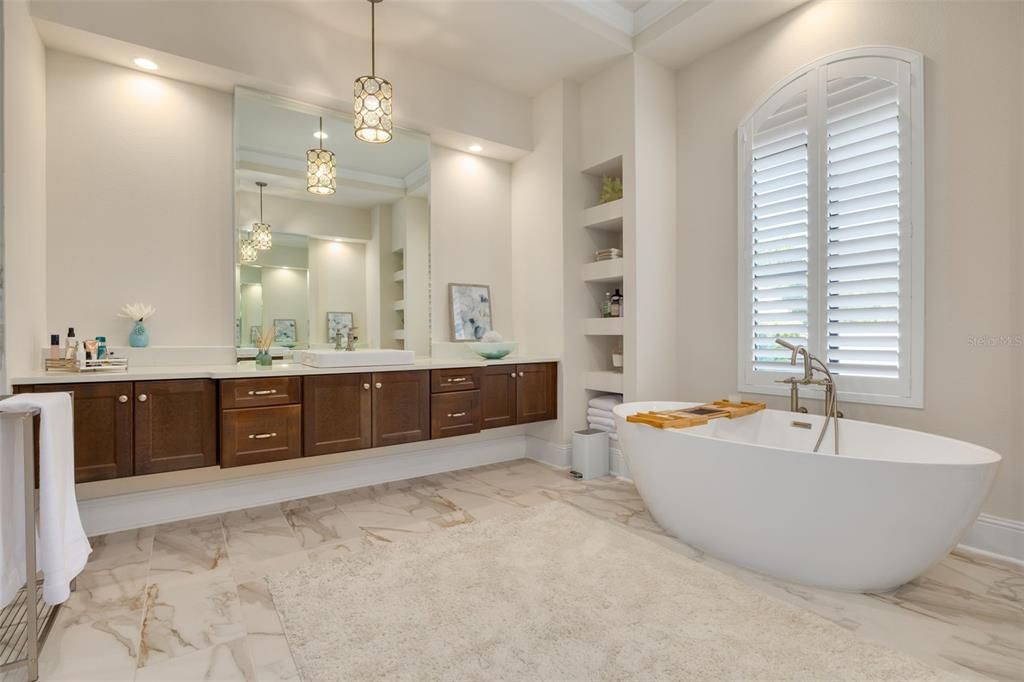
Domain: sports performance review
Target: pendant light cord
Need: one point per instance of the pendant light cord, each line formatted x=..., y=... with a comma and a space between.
x=373, y=39
x=321, y=133
x=261, y=203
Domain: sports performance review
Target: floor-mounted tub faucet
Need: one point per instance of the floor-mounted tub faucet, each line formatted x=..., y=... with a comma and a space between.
x=828, y=381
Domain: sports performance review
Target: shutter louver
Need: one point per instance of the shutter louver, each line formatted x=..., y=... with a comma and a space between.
x=780, y=214
x=863, y=227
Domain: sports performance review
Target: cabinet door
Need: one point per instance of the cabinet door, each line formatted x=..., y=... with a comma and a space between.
x=536, y=392
x=454, y=414
x=103, y=428
x=336, y=413
x=175, y=425
x=401, y=407
x=257, y=435
x=498, y=396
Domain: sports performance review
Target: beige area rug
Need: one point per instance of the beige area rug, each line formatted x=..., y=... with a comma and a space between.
x=555, y=594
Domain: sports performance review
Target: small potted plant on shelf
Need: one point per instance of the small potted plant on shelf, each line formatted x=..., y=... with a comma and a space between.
x=263, y=344
x=138, y=313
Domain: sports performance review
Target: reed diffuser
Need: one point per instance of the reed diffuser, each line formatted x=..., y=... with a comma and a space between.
x=263, y=343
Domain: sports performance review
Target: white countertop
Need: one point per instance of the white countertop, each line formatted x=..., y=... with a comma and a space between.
x=248, y=370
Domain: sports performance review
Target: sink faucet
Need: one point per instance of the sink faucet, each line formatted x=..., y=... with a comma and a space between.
x=827, y=381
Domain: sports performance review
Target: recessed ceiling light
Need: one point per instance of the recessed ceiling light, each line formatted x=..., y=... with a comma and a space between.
x=320, y=135
x=147, y=64
x=475, y=148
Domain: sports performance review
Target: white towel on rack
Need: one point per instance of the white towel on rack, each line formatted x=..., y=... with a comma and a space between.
x=63, y=548
x=606, y=402
x=12, y=511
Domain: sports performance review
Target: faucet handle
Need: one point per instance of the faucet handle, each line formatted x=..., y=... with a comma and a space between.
x=788, y=380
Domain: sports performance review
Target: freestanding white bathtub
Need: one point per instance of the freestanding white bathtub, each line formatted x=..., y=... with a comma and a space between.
x=751, y=491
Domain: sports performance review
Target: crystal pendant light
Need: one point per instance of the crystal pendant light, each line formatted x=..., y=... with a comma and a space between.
x=373, y=97
x=260, y=235
x=246, y=251
x=321, y=170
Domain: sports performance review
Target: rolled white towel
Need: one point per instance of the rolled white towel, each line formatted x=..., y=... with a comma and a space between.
x=606, y=402
x=603, y=422
x=600, y=414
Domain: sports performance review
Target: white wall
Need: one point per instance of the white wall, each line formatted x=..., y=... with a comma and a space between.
x=411, y=223
x=973, y=119
x=286, y=297
x=309, y=218
x=139, y=203
x=24, y=193
x=470, y=235
x=337, y=283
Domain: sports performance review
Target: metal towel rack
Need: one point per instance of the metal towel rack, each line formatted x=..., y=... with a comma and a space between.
x=27, y=620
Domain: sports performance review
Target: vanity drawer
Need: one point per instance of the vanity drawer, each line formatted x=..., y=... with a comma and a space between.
x=455, y=414
x=260, y=434
x=458, y=379
x=260, y=392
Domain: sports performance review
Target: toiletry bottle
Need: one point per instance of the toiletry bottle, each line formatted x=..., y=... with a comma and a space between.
x=69, y=351
x=615, y=304
x=101, y=349
x=80, y=354
x=55, y=346
x=606, y=305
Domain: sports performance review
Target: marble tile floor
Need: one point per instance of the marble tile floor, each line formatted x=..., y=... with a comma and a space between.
x=187, y=601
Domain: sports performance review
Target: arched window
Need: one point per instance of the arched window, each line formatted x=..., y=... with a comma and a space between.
x=831, y=215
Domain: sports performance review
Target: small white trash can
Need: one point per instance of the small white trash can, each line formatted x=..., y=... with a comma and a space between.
x=589, y=454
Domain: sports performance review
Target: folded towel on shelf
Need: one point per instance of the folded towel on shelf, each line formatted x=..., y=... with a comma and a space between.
x=602, y=414
x=601, y=422
x=63, y=548
x=606, y=402
x=602, y=427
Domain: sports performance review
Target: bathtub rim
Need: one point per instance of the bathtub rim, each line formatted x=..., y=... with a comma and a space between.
x=991, y=456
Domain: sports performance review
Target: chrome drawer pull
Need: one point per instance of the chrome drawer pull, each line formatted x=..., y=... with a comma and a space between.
x=457, y=414
x=457, y=380
x=265, y=391
x=262, y=436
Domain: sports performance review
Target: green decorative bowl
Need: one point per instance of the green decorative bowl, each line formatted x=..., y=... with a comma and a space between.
x=491, y=351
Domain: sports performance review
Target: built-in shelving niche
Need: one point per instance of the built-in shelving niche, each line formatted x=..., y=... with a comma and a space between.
x=603, y=226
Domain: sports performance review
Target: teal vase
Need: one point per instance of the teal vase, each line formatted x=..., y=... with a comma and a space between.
x=139, y=338
x=264, y=359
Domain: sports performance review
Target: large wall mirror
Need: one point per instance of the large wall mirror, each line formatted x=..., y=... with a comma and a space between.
x=320, y=264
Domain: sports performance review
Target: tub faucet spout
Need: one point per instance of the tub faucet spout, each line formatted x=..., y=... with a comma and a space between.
x=827, y=381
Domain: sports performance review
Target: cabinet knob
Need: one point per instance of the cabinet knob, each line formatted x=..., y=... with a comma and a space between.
x=379, y=385
x=513, y=375
x=143, y=397
x=366, y=387
x=521, y=374
x=122, y=398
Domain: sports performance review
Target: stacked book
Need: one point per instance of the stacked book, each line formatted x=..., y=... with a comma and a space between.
x=607, y=254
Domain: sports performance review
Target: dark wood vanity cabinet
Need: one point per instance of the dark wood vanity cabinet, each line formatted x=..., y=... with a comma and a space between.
x=143, y=427
x=257, y=435
x=536, y=392
x=401, y=407
x=337, y=413
x=498, y=396
x=519, y=394
x=175, y=425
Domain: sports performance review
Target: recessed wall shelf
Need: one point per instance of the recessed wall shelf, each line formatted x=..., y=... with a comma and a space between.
x=399, y=304
x=603, y=326
x=603, y=271
x=604, y=216
x=399, y=335
x=610, y=382
x=399, y=276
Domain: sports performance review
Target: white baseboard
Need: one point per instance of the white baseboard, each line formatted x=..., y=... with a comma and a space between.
x=555, y=454
x=996, y=537
x=139, y=509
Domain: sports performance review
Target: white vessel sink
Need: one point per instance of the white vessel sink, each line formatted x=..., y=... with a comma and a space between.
x=363, y=357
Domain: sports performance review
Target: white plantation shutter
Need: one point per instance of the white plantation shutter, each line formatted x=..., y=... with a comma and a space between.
x=830, y=195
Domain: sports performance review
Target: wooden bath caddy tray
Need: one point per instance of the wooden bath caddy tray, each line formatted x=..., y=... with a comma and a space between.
x=695, y=416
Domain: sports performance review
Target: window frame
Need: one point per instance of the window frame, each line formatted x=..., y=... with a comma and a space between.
x=908, y=389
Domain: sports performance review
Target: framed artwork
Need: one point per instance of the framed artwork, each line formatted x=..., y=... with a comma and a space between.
x=339, y=323
x=471, y=311
x=255, y=332
x=285, y=332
